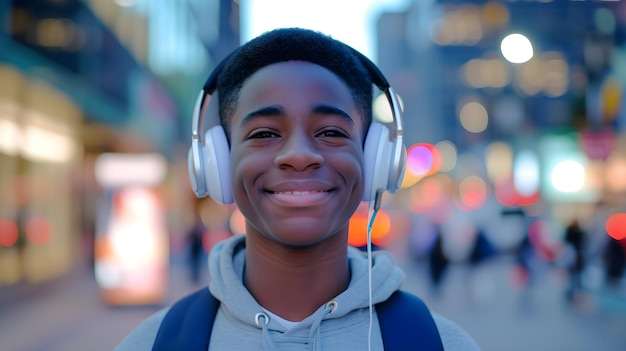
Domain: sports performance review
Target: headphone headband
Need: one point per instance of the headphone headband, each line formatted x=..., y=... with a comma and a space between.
x=376, y=75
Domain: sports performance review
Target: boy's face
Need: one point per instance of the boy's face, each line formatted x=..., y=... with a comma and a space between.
x=296, y=153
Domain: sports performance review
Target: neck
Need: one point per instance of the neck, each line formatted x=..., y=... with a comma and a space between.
x=294, y=282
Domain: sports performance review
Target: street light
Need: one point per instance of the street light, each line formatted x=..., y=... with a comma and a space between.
x=516, y=48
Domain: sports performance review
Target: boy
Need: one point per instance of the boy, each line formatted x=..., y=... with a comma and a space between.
x=294, y=111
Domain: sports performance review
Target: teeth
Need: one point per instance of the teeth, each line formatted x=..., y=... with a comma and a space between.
x=297, y=192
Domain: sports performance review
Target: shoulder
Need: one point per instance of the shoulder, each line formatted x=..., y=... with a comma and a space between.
x=143, y=335
x=453, y=337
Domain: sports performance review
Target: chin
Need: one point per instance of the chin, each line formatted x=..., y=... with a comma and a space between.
x=304, y=237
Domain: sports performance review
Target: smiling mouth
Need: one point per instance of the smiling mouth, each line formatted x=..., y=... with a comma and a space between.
x=300, y=198
x=303, y=192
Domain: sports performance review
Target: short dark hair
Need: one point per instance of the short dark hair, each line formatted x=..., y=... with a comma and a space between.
x=298, y=44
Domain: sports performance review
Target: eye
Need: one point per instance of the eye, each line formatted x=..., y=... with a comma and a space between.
x=263, y=134
x=332, y=133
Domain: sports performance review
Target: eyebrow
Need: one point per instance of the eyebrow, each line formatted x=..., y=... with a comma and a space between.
x=273, y=110
x=332, y=110
x=276, y=110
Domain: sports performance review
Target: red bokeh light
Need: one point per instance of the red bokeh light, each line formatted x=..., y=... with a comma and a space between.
x=8, y=233
x=473, y=193
x=616, y=226
x=507, y=195
x=38, y=231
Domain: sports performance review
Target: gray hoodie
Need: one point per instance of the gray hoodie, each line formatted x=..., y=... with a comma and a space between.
x=341, y=324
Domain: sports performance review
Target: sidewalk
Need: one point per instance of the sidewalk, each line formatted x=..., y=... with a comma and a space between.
x=67, y=314
x=501, y=317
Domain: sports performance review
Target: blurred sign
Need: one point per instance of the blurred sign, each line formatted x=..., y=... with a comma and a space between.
x=131, y=246
x=597, y=145
x=115, y=170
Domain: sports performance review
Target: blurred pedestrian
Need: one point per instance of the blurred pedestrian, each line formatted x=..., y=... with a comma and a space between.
x=438, y=264
x=615, y=261
x=195, y=240
x=575, y=238
x=482, y=249
x=524, y=254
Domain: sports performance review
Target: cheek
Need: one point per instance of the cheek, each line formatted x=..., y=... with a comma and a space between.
x=244, y=169
x=351, y=167
x=241, y=185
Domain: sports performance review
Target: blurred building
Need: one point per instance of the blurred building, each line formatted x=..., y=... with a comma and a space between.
x=443, y=53
x=81, y=78
x=485, y=132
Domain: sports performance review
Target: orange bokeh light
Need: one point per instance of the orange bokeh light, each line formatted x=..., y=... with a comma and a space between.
x=237, y=222
x=616, y=226
x=357, y=232
x=430, y=194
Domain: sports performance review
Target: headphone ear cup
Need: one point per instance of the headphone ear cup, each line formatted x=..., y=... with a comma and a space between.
x=216, y=172
x=398, y=176
x=195, y=165
x=377, y=158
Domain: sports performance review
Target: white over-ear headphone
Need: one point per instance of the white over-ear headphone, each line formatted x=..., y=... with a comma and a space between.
x=209, y=155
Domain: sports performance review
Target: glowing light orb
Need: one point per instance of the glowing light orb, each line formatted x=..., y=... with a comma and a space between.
x=568, y=176
x=516, y=48
x=616, y=226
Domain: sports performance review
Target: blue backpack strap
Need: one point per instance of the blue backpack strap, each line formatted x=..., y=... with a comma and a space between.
x=188, y=323
x=406, y=324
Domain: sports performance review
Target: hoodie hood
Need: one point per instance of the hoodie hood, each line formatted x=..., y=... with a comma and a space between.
x=351, y=307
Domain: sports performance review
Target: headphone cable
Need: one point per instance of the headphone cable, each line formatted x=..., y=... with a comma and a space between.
x=372, y=216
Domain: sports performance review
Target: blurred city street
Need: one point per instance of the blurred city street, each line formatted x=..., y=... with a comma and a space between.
x=68, y=314
x=510, y=219
x=501, y=317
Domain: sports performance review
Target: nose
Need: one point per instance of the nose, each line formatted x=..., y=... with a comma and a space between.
x=299, y=152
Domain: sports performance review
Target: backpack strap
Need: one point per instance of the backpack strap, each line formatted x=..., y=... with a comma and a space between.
x=407, y=324
x=188, y=323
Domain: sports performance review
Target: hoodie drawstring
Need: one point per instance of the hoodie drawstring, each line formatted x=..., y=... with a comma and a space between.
x=314, y=334
x=262, y=320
